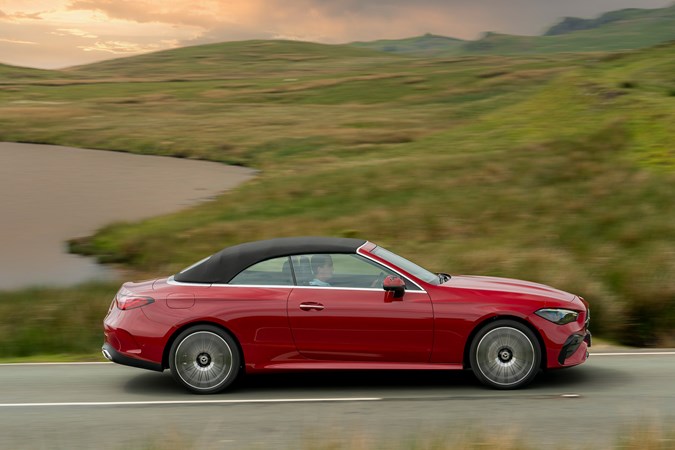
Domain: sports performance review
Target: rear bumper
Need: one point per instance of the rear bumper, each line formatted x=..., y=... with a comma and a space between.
x=113, y=355
x=131, y=339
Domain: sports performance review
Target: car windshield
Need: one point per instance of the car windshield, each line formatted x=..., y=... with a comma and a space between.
x=410, y=267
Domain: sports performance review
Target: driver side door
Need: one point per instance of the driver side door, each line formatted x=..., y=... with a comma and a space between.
x=352, y=319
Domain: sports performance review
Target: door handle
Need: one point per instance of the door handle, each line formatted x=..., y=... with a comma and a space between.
x=308, y=306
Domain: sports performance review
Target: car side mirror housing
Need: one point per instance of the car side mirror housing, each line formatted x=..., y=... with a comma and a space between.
x=394, y=286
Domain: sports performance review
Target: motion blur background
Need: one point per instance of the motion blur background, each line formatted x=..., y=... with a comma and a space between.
x=492, y=138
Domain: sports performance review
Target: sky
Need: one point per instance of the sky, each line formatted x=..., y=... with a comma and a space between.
x=61, y=33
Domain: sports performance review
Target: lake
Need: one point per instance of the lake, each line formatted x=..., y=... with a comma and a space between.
x=49, y=194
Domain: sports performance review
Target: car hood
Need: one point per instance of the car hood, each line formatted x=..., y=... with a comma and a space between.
x=507, y=285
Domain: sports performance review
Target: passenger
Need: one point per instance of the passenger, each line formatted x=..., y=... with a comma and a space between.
x=322, y=268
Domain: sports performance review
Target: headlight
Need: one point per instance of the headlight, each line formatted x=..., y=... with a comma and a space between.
x=559, y=316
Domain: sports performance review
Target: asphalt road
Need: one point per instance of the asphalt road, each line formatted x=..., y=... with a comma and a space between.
x=110, y=406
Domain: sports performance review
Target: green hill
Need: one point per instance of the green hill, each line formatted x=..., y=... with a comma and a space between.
x=242, y=59
x=427, y=45
x=557, y=169
x=13, y=74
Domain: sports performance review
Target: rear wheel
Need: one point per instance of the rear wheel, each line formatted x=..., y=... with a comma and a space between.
x=505, y=355
x=204, y=359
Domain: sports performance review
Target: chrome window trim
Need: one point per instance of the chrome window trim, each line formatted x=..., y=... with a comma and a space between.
x=388, y=266
x=270, y=286
x=195, y=264
x=173, y=282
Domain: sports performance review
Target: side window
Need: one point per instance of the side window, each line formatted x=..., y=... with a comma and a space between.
x=273, y=272
x=339, y=270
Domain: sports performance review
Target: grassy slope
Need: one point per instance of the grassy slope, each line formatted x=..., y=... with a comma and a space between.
x=427, y=45
x=14, y=74
x=255, y=59
x=537, y=168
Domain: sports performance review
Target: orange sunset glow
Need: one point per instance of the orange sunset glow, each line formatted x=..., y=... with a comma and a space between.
x=61, y=33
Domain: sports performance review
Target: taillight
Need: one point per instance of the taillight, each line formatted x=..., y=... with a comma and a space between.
x=125, y=301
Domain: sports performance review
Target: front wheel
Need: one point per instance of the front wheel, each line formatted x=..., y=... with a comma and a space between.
x=505, y=355
x=204, y=359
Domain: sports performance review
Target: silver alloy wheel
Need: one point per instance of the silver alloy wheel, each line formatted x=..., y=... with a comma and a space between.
x=203, y=360
x=505, y=356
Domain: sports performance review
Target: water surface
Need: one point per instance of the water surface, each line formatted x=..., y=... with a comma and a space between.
x=49, y=194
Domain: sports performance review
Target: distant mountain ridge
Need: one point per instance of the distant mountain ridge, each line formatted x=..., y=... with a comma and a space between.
x=571, y=24
x=624, y=29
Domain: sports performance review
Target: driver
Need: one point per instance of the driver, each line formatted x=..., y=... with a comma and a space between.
x=322, y=268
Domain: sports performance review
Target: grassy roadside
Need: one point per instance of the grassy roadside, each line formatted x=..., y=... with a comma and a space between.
x=558, y=169
x=641, y=436
x=55, y=358
x=54, y=324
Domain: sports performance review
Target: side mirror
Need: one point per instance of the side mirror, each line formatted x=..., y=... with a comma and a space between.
x=394, y=286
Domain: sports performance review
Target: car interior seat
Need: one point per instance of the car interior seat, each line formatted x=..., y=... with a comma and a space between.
x=303, y=270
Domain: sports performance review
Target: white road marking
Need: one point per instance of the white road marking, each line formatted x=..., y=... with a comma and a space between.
x=633, y=354
x=196, y=402
x=56, y=363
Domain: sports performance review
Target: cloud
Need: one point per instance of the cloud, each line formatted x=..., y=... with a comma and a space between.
x=17, y=41
x=125, y=47
x=74, y=32
x=20, y=16
x=332, y=21
x=339, y=21
x=158, y=11
x=66, y=28
x=28, y=16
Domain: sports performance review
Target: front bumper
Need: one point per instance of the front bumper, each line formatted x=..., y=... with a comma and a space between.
x=572, y=345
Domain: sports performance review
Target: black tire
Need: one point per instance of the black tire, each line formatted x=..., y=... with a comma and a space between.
x=505, y=354
x=205, y=359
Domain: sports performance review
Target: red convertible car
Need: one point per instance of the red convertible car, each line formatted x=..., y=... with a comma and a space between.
x=297, y=304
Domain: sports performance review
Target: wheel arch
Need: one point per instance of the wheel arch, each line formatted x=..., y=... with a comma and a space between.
x=485, y=322
x=178, y=331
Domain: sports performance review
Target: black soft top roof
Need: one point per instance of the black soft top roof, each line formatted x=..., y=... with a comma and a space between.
x=221, y=267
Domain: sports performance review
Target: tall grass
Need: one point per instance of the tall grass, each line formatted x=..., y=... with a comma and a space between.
x=44, y=321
